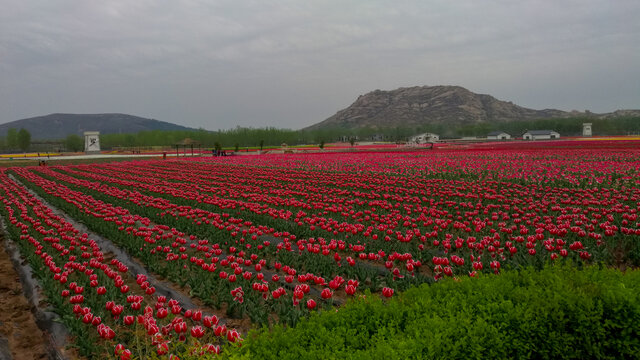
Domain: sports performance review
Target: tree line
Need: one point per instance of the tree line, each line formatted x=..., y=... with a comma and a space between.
x=20, y=141
x=565, y=126
x=16, y=140
x=240, y=137
x=259, y=137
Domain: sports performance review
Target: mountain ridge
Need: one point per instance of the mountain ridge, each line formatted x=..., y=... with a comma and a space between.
x=60, y=125
x=438, y=105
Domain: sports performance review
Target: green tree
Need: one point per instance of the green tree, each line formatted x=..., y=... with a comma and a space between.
x=130, y=140
x=261, y=144
x=12, y=139
x=321, y=145
x=74, y=143
x=24, y=139
x=237, y=146
x=352, y=140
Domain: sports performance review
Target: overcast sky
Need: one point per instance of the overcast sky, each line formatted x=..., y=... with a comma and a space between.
x=222, y=64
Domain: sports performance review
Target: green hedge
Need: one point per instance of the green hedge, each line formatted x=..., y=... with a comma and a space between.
x=560, y=312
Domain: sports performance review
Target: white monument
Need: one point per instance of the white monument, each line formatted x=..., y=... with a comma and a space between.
x=586, y=129
x=92, y=142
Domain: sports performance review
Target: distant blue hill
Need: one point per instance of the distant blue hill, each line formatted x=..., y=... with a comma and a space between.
x=59, y=126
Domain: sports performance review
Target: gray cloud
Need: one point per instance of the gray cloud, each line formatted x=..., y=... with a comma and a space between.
x=218, y=64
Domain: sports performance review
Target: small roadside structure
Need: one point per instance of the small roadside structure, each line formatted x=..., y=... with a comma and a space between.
x=91, y=142
x=540, y=135
x=185, y=144
x=498, y=135
x=424, y=138
x=586, y=129
x=348, y=138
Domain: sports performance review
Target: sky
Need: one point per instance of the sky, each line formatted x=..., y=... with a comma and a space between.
x=288, y=64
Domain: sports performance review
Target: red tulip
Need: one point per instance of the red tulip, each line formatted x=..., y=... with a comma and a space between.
x=180, y=327
x=232, y=335
x=106, y=332
x=162, y=348
x=117, y=310
x=162, y=313
x=326, y=293
x=387, y=292
x=125, y=354
x=210, y=321
x=212, y=349
x=447, y=271
x=220, y=330
x=197, y=331
x=311, y=304
x=350, y=289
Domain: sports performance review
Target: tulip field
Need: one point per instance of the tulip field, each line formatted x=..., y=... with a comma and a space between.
x=269, y=239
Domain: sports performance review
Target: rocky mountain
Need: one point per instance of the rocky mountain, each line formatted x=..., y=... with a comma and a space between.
x=433, y=105
x=620, y=113
x=59, y=126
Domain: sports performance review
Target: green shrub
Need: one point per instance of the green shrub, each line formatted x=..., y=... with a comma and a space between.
x=560, y=312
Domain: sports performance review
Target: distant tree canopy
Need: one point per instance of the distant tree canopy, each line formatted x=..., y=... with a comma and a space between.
x=566, y=127
x=24, y=139
x=258, y=138
x=74, y=143
x=12, y=139
x=227, y=138
x=17, y=140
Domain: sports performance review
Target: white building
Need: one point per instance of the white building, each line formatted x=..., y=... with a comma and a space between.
x=498, y=135
x=424, y=138
x=540, y=135
x=586, y=129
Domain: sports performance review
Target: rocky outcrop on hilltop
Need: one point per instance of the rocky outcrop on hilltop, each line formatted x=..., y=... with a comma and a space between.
x=421, y=105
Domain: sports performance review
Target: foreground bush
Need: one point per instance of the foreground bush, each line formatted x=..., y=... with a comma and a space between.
x=560, y=312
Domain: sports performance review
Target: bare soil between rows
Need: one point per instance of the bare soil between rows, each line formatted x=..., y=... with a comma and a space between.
x=20, y=337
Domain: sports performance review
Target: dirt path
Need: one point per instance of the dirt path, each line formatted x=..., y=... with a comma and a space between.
x=20, y=337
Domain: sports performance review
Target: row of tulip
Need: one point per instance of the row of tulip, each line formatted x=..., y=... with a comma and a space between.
x=580, y=227
x=91, y=289
x=275, y=237
x=491, y=243
x=212, y=275
x=517, y=211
